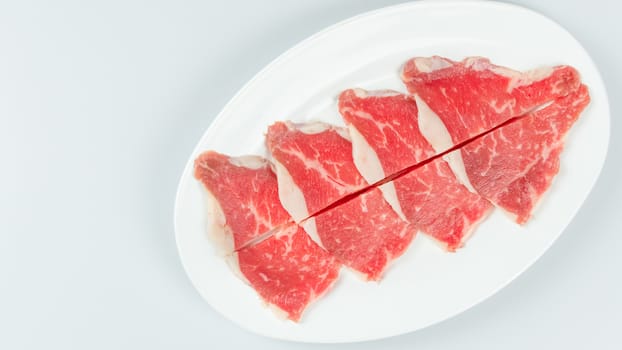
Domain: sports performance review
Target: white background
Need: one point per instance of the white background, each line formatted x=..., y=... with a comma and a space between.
x=101, y=103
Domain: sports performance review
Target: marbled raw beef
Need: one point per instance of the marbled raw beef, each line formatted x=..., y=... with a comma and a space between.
x=315, y=169
x=514, y=165
x=288, y=269
x=386, y=140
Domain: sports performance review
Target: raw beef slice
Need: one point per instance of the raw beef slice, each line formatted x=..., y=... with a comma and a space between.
x=386, y=140
x=288, y=270
x=460, y=100
x=514, y=165
x=315, y=169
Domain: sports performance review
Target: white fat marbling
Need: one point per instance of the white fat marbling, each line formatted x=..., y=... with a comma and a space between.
x=367, y=162
x=250, y=162
x=217, y=231
x=433, y=129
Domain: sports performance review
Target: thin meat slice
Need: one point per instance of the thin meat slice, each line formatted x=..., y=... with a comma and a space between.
x=288, y=270
x=474, y=96
x=244, y=189
x=514, y=165
x=315, y=169
x=438, y=205
x=364, y=234
x=387, y=139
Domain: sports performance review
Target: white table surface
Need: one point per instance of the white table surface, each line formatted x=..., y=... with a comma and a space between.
x=101, y=103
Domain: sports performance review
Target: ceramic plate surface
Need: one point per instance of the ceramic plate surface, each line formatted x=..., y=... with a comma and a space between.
x=426, y=285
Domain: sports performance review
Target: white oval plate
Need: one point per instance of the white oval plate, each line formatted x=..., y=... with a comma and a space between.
x=426, y=285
